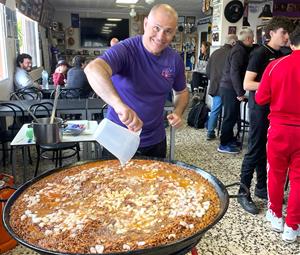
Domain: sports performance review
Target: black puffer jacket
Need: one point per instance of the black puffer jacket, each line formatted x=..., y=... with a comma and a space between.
x=235, y=68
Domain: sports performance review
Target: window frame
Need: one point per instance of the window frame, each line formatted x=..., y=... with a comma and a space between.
x=29, y=42
x=3, y=53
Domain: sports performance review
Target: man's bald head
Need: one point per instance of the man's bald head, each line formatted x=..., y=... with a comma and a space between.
x=166, y=9
x=159, y=28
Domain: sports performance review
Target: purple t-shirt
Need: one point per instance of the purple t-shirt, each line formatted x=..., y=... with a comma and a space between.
x=143, y=81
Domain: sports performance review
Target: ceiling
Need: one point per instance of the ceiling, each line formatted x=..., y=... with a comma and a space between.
x=183, y=7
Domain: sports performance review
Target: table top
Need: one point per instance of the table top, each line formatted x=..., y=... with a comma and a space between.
x=86, y=136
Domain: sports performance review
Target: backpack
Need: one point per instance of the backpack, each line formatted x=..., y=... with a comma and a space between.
x=198, y=115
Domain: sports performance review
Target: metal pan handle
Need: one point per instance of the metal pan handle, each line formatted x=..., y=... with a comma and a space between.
x=246, y=194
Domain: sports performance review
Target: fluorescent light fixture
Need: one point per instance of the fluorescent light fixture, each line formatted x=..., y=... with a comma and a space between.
x=113, y=19
x=110, y=25
x=126, y=1
x=106, y=32
x=104, y=27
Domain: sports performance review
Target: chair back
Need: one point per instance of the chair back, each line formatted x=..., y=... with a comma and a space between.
x=27, y=94
x=66, y=93
x=18, y=116
x=94, y=95
x=41, y=109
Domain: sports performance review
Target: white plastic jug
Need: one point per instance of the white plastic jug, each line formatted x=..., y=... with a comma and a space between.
x=118, y=140
x=45, y=77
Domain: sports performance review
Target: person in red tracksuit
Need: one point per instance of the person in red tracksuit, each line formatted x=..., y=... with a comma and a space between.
x=280, y=86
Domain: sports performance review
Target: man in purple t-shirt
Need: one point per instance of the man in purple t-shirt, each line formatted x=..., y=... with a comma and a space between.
x=135, y=76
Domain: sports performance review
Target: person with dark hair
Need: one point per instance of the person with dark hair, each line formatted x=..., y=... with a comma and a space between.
x=22, y=78
x=199, y=78
x=77, y=78
x=255, y=159
x=60, y=74
x=204, y=51
x=279, y=85
x=135, y=76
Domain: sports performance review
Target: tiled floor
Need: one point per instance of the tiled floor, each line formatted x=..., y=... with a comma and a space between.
x=238, y=232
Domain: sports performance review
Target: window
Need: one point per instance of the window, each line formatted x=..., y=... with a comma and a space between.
x=3, y=63
x=28, y=37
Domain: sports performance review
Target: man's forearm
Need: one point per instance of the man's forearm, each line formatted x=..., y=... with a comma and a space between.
x=99, y=77
x=181, y=101
x=250, y=82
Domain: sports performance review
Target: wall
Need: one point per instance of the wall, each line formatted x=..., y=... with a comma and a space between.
x=253, y=11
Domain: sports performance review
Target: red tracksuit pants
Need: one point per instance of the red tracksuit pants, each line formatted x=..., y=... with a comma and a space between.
x=283, y=152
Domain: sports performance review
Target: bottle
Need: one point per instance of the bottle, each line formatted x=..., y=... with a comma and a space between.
x=45, y=77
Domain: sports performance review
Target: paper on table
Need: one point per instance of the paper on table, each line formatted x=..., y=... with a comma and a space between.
x=118, y=140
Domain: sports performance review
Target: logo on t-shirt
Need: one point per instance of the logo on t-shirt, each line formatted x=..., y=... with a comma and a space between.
x=168, y=73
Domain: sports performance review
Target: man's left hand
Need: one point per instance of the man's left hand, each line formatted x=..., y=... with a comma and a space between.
x=175, y=120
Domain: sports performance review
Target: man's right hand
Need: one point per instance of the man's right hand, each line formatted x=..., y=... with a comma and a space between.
x=129, y=118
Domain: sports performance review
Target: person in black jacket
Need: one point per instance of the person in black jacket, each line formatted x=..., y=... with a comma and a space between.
x=214, y=70
x=231, y=89
x=77, y=78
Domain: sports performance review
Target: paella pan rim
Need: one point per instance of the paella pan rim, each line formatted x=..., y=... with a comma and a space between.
x=174, y=246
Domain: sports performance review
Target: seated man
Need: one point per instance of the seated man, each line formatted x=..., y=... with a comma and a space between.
x=77, y=78
x=22, y=77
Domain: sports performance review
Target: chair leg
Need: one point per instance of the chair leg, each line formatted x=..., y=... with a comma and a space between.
x=78, y=150
x=60, y=158
x=3, y=155
x=244, y=123
x=37, y=161
x=29, y=156
x=56, y=158
x=220, y=121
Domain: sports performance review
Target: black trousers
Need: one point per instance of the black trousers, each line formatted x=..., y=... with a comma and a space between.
x=158, y=150
x=256, y=156
x=231, y=114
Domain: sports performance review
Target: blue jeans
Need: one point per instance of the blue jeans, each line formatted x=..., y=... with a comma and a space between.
x=214, y=113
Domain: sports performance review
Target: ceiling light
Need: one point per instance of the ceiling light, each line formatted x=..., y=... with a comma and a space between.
x=132, y=13
x=126, y=1
x=113, y=19
x=110, y=25
x=149, y=1
x=266, y=12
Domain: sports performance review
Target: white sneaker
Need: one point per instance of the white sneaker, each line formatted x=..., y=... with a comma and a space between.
x=276, y=223
x=289, y=235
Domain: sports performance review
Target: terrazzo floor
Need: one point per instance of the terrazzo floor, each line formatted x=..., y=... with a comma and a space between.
x=238, y=233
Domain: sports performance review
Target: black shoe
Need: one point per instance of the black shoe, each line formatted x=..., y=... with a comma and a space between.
x=210, y=137
x=248, y=205
x=261, y=193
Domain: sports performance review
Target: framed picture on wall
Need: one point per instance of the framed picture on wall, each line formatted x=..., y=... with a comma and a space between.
x=232, y=30
x=190, y=19
x=181, y=20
